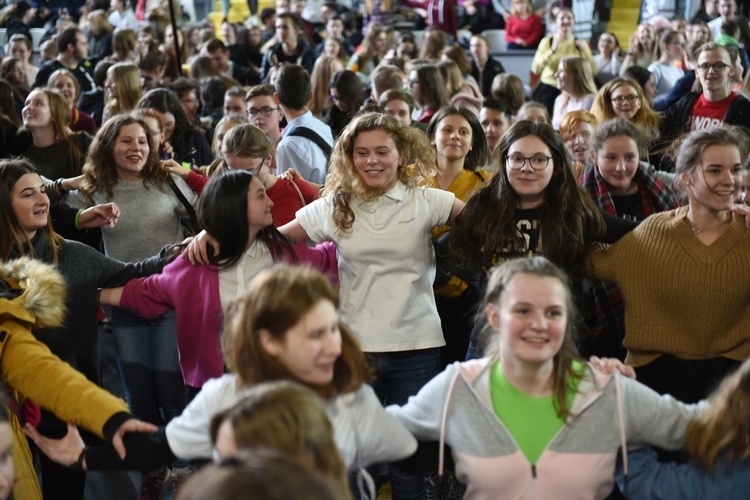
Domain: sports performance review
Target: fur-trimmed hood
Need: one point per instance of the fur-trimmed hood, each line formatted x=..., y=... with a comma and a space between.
x=33, y=292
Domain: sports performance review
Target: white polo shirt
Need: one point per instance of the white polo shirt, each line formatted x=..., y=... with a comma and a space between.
x=386, y=265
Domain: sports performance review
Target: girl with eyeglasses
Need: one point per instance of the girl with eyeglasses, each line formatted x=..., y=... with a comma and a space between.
x=347, y=95
x=531, y=206
x=666, y=74
x=623, y=97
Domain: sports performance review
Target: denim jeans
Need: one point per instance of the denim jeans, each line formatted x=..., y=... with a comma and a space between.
x=398, y=376
x=147, y=355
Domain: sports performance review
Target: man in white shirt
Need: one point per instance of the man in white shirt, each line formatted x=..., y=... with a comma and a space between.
x=306, y=142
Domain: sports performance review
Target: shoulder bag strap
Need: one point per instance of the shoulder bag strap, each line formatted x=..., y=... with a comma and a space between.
x=185, y=203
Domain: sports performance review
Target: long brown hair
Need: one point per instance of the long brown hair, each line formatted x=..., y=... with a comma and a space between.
x=563, y=373
x=100, y=170
x=603, y=109
x=570, y=221
x=722, y=430
x=344, y=182
x=276, y=301
x=10, y=171
x=60, y=112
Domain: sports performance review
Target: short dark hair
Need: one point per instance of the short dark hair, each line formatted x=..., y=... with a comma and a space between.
x=497, y=105
x=335, y=17
x=20, y=37
x=267, y=13
x=213, y=89
x=152, y=59
x=396, y=94
x=214, y=45
x=264, y=89
x=729, y=27
x=293, y=86
x=236, y=92
x=100, y=72
x=183, y=84
x=66, y=37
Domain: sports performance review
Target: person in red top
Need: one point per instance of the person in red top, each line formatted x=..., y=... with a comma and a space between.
x=246, y=147
x=523, y=29
x=715, y=105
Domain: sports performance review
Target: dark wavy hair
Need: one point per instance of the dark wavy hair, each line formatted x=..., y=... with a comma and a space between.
x=479, y=156
x=431, y=87
x=349, y=87
x=100, y=170
x=166, y=101
x=222, y=212
x=571, y=223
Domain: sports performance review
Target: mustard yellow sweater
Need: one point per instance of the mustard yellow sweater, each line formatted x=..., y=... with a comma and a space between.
x=682, y=298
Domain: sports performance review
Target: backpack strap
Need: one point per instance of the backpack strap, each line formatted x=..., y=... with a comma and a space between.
x=311, y=135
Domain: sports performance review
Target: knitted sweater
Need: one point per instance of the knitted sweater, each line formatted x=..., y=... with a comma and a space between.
x=683, y=298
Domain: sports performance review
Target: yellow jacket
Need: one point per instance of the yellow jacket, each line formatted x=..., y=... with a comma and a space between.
x=32, y=294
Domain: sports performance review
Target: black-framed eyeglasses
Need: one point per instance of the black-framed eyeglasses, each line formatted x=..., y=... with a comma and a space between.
x=536, y=162
x=262, y=111
x=718, y=67
x=253, y=170
x=620, y=99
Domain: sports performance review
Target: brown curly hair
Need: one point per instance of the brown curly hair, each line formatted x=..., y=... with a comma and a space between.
x=343, y=181
x=100, y=170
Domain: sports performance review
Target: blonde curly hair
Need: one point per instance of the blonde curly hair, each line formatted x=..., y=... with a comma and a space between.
x=416, y=164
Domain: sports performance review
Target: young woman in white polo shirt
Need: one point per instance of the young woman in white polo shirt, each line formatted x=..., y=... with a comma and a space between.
x=381, y=223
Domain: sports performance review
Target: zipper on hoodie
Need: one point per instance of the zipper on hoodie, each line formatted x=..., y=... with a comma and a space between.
x=533, y=482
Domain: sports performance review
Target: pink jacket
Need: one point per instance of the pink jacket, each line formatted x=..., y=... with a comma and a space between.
x=193, y=291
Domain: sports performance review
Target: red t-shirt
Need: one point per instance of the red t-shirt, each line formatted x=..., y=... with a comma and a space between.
x=286, y=199
x=706, y=114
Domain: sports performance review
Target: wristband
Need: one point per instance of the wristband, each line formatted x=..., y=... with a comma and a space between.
x=59, y=187
x=79, y=463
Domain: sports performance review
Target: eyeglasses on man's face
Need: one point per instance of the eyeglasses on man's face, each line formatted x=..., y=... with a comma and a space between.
x=717, y=67
x=262, y=111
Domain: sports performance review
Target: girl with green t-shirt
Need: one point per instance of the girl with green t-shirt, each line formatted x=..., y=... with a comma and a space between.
x=532, y=419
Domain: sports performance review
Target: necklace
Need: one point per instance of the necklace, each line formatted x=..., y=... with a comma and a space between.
x=696, y=230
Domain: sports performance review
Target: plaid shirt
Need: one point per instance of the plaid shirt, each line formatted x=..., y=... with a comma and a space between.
x=653, y=197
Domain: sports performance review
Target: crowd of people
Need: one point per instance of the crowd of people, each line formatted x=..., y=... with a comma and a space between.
x=334, y=256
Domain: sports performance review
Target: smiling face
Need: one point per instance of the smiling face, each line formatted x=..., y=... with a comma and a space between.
x=259, y=207
x=453, y=138
x=6, y=461
x=578, y=142
x=20, y=51
x=36, y=111
x=529, y=184
x=617, y=161
x=626, y=101
x=712, y=80
x=376, y=159
x=130, y=152
x=530, y=320
x=30, y=204
x=714, y=184
x=606, y=44
x=675, y=48
x=67, y=88
x=310, y=348
x=645, y=35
